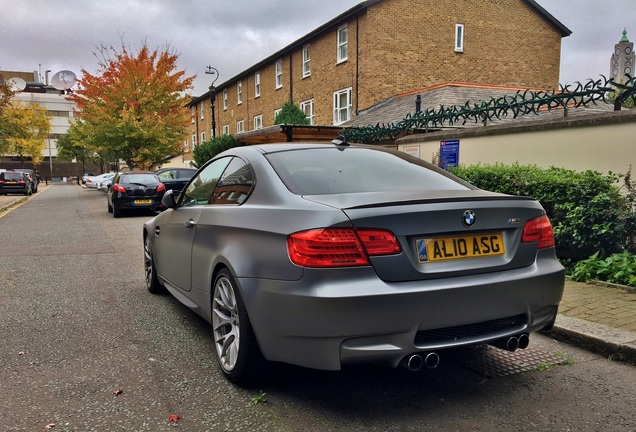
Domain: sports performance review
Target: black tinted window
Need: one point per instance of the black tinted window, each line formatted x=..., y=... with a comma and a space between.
x=330, y=170
x=12, y=176
x=144, y=179
x=235, y=184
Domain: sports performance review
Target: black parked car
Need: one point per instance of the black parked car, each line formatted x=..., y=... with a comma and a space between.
x=135, y=190
x=175, y=178
x=14, y=182
x=33, y=178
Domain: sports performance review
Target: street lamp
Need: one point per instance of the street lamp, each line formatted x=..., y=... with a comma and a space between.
x=212, y=71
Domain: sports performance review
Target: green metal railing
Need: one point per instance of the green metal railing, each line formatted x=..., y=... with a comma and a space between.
x=522, y=103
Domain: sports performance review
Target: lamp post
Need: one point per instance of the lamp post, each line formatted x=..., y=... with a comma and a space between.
x=212, y=71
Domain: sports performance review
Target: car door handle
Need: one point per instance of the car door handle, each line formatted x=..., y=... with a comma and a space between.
x=190, y=223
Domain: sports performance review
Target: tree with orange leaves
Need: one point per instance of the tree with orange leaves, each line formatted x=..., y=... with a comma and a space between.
x=134, y=106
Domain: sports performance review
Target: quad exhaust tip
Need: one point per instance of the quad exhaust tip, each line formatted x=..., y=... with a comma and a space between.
x=513, y=342
x=415, y=362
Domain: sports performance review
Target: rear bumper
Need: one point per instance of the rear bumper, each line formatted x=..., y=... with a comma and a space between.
x=357, y=318
x=129, y=204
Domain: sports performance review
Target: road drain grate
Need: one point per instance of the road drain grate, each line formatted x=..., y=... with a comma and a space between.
x=493, y=362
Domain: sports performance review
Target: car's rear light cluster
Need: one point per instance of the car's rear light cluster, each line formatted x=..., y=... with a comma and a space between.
x=538, y=230
x=119, y=188
x=161, y=187
x=340, y=247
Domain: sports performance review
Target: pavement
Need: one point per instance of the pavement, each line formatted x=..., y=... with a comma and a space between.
x=595, y=316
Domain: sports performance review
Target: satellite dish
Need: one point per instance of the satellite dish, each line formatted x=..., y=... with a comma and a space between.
x=63, y=80
x=16, y=84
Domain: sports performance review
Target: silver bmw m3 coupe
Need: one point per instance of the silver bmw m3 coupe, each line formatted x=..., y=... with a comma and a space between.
x=327, y=255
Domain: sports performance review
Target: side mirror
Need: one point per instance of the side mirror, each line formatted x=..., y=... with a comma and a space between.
x=169, y=200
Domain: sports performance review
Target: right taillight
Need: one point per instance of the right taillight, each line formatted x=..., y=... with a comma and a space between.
x=119, y=188
x=339, y=247
x=538, y=230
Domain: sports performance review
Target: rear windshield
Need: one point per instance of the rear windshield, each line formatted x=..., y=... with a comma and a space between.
x=12, y=176
x=331, y=170
x=145, y=179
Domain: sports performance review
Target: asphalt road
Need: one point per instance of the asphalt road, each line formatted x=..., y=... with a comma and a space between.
x=85, y=347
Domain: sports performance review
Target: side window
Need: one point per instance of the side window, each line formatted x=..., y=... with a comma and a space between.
x=200, y=189
x=235, y=184
x=166, y=175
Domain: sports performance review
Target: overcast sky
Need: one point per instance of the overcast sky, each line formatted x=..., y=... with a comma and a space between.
x=231, y=35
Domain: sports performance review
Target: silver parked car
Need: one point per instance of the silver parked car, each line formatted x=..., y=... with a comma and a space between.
x=326, y=255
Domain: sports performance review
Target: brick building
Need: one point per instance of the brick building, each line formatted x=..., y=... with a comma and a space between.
x=380, y=48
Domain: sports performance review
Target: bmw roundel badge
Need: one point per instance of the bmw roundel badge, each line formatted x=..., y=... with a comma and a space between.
x=468, y=218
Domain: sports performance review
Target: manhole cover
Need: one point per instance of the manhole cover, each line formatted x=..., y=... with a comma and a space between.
x=493, y=362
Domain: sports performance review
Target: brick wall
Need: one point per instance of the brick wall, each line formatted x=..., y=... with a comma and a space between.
x=403, y=45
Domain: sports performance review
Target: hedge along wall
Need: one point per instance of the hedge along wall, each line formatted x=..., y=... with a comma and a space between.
x=604, y=142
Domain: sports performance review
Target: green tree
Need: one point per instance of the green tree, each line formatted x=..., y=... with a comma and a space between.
x=208, y=149
x=6, y=127
x=292, y=115
x=134, y=106
x=28, y=128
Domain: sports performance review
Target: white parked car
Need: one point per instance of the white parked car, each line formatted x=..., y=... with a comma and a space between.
x=93, y=181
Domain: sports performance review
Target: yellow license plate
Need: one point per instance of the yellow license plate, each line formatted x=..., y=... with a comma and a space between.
x=140, y=202
x=460, y=247
x=11, y=182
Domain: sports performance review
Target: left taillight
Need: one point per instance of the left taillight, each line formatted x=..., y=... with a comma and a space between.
x=339, y=247
x=538, y=230
x=161, y=187
x=119, y=188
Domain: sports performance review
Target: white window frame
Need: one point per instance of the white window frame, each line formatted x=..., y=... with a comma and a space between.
x=202, y=137
x=340, y=109
x=276, y=112
x=226, y=129
x=240, y=126
x=186, y=146
x=193, y=113
x=308, y=105
x=459, y=37
x=202, y=108
x=258, y=122
x=194, y=140
x=239, y=92
x=279, y=74
x=343, y=43
x=306, y=61
x=257, y=84
x=224, y=99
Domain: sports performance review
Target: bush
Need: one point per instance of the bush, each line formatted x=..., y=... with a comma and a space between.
x=290, y=114
x=208, y=149
x=587, y=209
x=617, y=268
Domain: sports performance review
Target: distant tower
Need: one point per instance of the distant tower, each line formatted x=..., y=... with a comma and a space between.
x=623, y=60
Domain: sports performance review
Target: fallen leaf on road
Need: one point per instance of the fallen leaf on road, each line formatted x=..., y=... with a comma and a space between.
x=49, y=426
x=118, y=392
x=21, y=353
x=174, y=418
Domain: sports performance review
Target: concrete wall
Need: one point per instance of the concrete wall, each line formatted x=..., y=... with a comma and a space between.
x=604, y=143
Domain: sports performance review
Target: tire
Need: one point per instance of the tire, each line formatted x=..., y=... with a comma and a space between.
x=110, y=207
x=237, y=351
x=117, y=213
x=152, y=281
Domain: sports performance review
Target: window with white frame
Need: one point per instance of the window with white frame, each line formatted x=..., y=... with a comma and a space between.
x=239, y=92
x=459, y=37
x=226, y=129
x=276, y=112
x=341, y=106
x=202, y=109
x=308, y=108
x=240, y=126
x=193, y=113
x=258, y=122
x=224, y=99
x=306, y=61
x=257, y=84
x=194, y=140
x=279, y=74
x=202, y=137
x=343, y=43
x=186, y=146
